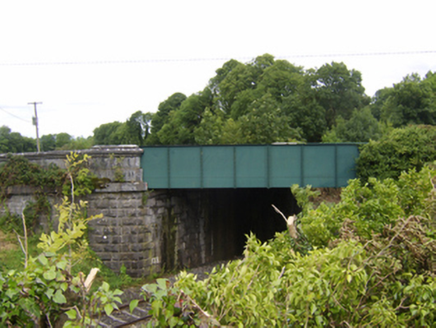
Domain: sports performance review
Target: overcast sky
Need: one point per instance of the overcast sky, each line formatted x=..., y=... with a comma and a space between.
x=94, y=62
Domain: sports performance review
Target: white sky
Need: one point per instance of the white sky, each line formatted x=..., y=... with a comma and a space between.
x=77, y=98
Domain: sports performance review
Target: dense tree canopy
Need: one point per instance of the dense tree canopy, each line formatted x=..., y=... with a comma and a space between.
x=105, y=134
x=13, y=142
x=134, y=131
x=262, y=101
x=339, y=91
x=361, y=127
x=162, y=116
x=265, y=100
x=412, y=101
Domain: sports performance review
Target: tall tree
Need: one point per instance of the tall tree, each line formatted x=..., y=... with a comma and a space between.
x=412, y=101
x=138, y=128
x=280, y=79
x=210, y=129
x=339, y=91
x=361, y=127
x=48, y=142
x=161, y=117
x=240, y=78
x=182, y=122
x=304, y=111
x=105, y=134
x=265, y=123
x=62, y=139
x=14, y=142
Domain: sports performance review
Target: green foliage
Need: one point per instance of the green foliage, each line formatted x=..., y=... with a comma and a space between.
x=134, y=131
x=399, y=150
x=339, y=91
x=260, y=102
x=117, y=169
x=305, y=113
x=77, y=171
x=370, y=206
x=265, y=123
x=139, y=128
x=70, y=232
x=161, y=117
x=170, y=307
x=105, y=134
x=38, y=295
x=181, y=123
x=63, y=141
x=13, y=142
x=373, y=267
x=361, y=127
x=10, y=222
x=303, y=196
x=32, y=211
x=19, y=171
x=412, y=101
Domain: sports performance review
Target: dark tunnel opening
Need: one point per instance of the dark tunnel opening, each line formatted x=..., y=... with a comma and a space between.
x=235, y=213
x=206, y=225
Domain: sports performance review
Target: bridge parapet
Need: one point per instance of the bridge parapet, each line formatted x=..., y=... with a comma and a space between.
x=249, y=166
x=112, y=162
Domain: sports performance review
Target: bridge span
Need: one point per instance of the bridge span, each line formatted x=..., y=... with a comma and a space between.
x=249, y=166
x=201, y=203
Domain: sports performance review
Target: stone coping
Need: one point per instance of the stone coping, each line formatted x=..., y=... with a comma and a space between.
x=96, y=151
x=114, y=187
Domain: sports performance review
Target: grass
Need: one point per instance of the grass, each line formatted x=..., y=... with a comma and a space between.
x=12, y=258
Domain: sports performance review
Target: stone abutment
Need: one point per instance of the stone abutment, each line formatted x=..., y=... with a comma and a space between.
x=147, y=231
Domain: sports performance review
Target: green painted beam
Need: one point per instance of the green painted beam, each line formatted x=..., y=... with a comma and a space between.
x=249, y=166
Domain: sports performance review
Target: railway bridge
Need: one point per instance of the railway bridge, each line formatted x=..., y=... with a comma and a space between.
x=184, y=206
x=249, y=166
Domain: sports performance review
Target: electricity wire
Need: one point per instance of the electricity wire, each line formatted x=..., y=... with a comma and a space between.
x=178, y=60
x=22, y=119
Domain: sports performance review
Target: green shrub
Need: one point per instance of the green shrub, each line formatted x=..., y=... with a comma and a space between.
x=371, y=206
x=396, y=152
x=374, y=265
x=45, y=289
x=19, y=171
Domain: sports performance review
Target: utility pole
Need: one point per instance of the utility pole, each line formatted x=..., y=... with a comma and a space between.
x=35, y=122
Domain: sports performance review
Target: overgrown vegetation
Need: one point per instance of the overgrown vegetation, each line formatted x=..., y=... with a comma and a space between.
x=46, y=288
x=18, y=171
x=367, y=261
x=397, y=151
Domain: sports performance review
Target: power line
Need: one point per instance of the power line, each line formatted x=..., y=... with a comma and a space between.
x=22, y=119
x=177, y=60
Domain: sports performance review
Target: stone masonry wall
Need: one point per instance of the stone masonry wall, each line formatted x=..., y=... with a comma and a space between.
x=142, y=230
x=147, y=231
x=106, y=161
x=125, y=235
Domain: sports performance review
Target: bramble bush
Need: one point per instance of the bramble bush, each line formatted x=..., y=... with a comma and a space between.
x=368, y=261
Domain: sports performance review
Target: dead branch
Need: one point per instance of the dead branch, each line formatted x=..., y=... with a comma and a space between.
x=290, y=222
x=90, y=279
